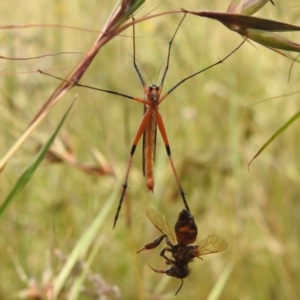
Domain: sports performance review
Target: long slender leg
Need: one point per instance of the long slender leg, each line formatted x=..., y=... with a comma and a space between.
x=162, y=253
x=98, y=89
x=163, y=133
x=139, y=133
x=156, y=242
x=168, y=242
x=153, y=244
x=169, y=52
x=134, y=62
x=211, y=66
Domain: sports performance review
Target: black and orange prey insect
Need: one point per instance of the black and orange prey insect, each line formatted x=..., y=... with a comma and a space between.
x=151, y=119
x=182, y=252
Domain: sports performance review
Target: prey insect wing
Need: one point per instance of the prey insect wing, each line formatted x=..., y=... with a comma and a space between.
x=159, y=221
x=212, y=244
x=183, y=252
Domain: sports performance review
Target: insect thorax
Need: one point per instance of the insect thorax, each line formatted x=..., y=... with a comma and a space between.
x=185, y=254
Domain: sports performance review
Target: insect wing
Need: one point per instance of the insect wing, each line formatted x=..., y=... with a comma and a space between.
x=154, y=136
x=149, y=151
x=159, y=221
x=212, y=244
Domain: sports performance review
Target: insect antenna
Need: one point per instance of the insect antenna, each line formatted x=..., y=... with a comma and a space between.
x=143, y=68
x=160, y=70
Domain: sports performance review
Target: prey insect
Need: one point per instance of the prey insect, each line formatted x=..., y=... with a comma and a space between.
x=150, y=121
x=182, y=252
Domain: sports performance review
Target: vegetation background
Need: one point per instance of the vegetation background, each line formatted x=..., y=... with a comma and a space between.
x=214, y=131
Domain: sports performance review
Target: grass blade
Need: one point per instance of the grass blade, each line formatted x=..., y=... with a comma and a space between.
x=242, y=21
x=111, y=29
x=128, y=7
x=235, y=7
x=29, y=171
x=219, y=286
x=252, y=6
x=83, y=245
x=257, y=29
x=273, y=137
x=249, y=8
x=77, y=285
x=269, y=39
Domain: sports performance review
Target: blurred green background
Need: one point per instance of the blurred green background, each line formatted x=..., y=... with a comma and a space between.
x=213, y=129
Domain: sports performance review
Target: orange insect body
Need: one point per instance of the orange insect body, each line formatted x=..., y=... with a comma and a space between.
x=150, y=121
x=149, y=139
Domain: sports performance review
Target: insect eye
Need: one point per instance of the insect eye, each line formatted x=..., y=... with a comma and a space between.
x=157, y=88
x=150, y=88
